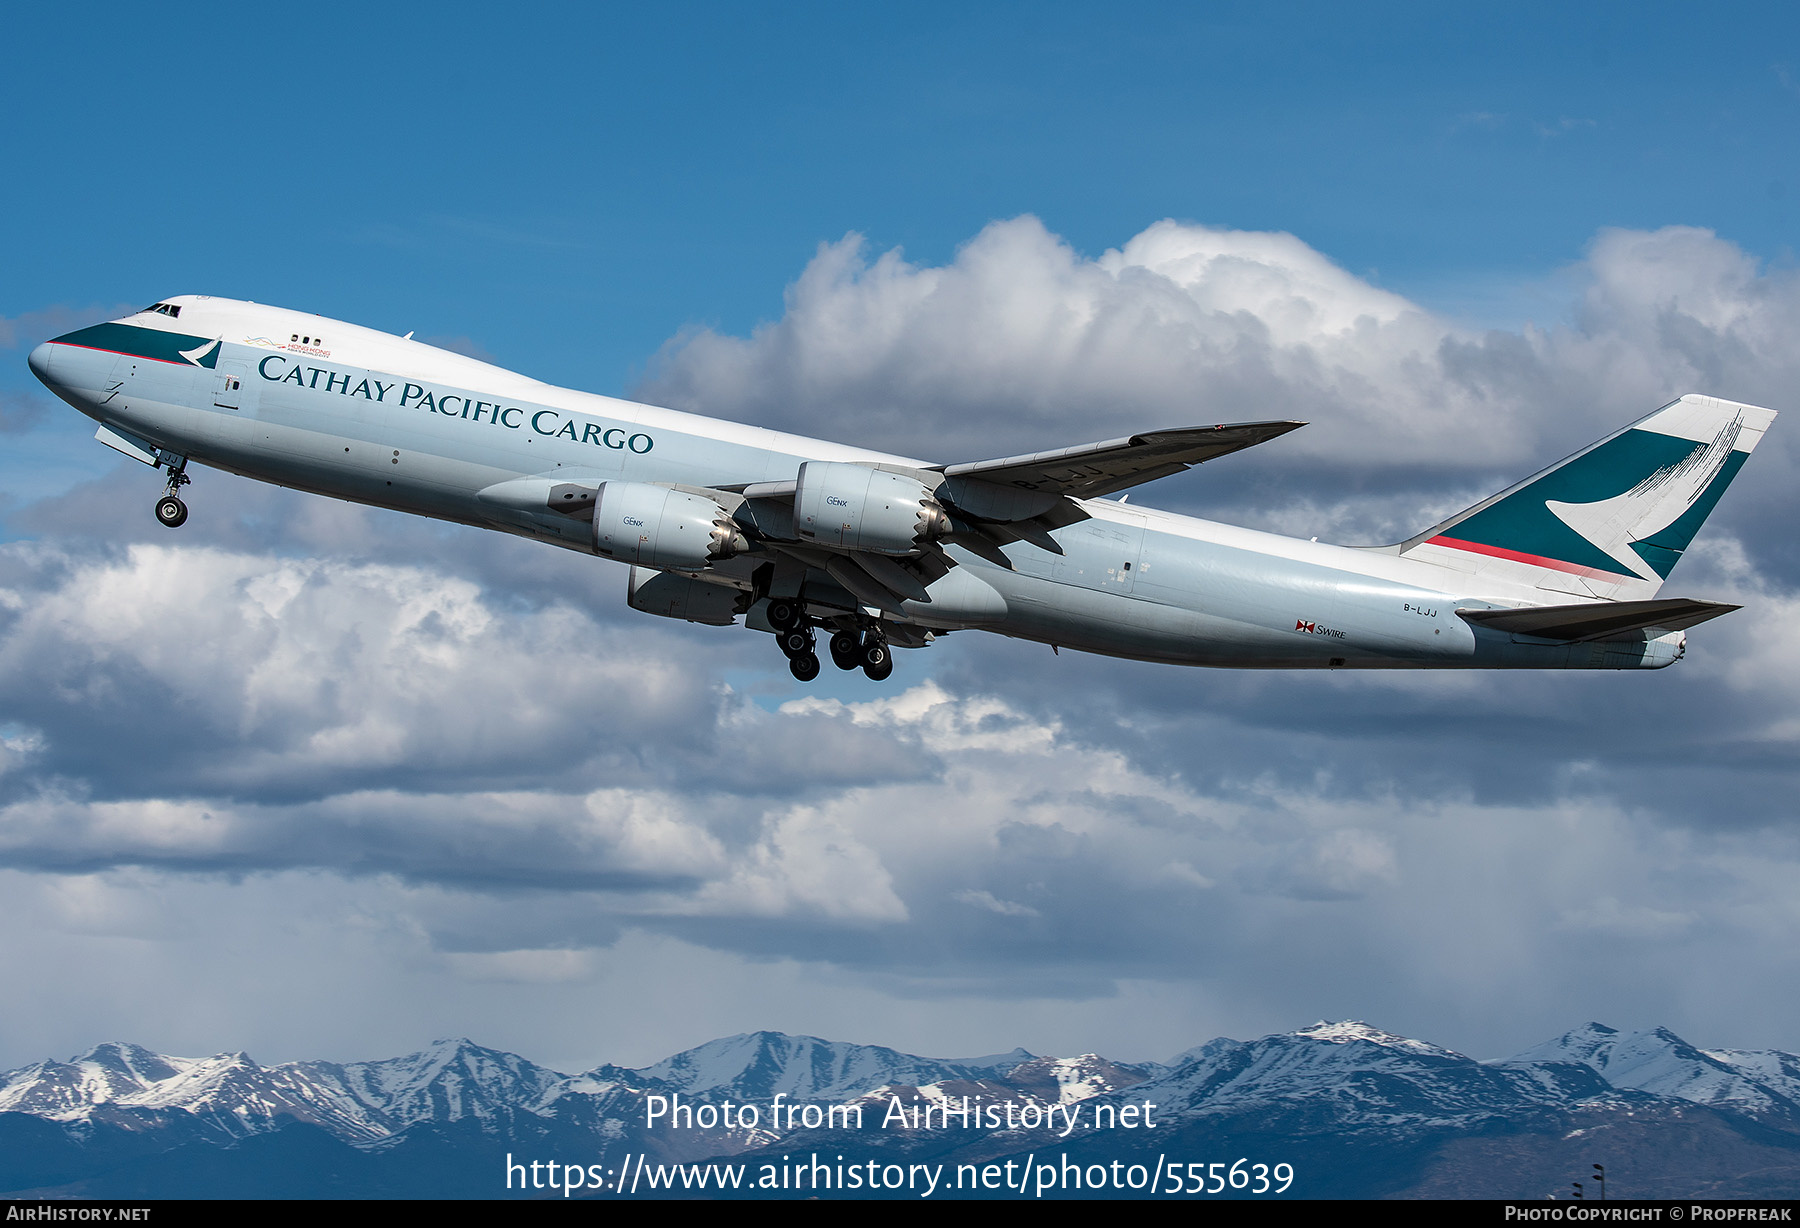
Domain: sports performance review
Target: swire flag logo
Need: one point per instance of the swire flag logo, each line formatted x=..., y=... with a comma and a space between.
x=1301, y=625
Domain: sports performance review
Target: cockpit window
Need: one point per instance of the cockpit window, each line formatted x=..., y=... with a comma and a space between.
x=167, y=309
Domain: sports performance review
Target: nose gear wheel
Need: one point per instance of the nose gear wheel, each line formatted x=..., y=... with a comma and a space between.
x=170, y=509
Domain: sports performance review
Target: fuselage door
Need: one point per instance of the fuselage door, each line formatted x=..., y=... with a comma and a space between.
x=228, y=384
x=1101, y=554
x=1122, y=552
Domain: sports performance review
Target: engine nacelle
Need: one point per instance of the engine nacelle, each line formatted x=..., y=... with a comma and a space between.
x=635, y=522
x=695, y=601
x=854, y=507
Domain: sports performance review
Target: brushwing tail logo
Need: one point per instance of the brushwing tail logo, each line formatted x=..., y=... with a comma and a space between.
x=1615, y=525
x=200, y=351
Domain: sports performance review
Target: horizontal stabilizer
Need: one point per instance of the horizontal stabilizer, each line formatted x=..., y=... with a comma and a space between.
x=1599, y=620
x=1094, y=469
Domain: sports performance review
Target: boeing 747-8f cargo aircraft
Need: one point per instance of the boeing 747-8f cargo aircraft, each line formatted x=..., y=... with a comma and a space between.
x=720, y=521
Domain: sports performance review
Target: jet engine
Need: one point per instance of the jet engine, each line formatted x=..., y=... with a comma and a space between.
x=854, y=507
x=657, y=527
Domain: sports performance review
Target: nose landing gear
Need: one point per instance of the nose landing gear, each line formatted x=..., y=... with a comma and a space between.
x=170, y=509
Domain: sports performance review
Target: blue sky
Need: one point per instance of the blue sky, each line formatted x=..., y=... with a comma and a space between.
x=262, y=787
x=572, y=186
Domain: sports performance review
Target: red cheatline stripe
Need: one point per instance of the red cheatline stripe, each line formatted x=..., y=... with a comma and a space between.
x=1519, y=556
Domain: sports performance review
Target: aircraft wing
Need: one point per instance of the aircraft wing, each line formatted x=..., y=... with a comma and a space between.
x=1094, y=469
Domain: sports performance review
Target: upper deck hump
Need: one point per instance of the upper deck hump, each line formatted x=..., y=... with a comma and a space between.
x=304, y=335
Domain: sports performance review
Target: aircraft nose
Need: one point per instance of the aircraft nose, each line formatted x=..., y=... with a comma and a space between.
x=40, y=361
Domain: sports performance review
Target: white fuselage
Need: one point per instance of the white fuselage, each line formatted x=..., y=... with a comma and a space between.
x=350, y=412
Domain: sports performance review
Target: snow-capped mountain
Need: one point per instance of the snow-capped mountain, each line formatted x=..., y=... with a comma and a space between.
x=455, y=1081
x=1777, y=1071
x=228, y=1092
x=1352, y=1076
x=360, y=1102
x=447, y=1108
x=1039, y=1082
x=63, y=1091
x=1657, y=1061
x=758, y=1065
x=1066, y=1080
x=452, y=1080
x=1347, y=1075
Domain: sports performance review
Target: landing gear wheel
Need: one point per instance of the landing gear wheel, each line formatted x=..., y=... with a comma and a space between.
x=877, y=660
x=804, y=666
x=846, y=650
x=783, y=613
x=171, y=511
x=796, y=641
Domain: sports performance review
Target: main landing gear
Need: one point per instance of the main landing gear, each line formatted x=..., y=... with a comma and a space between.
x=170, y=509
x=866, y=651
x=797, y=645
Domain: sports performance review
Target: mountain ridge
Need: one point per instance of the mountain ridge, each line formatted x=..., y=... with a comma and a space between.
x=1324, y=1090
